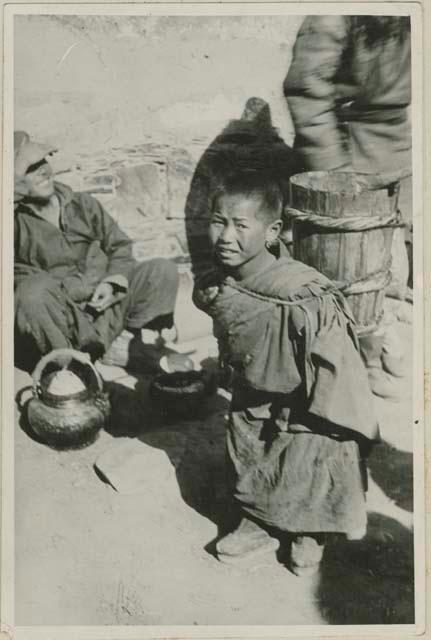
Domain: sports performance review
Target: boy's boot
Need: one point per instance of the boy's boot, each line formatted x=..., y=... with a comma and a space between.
x=247, y=543
x=306, y=554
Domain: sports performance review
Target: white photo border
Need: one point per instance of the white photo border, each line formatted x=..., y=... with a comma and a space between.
x=421, y=329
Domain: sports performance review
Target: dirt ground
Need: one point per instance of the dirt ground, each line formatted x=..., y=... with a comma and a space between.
x=89, y=555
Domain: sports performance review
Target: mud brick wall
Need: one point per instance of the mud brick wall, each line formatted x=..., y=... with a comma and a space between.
x=145, y=189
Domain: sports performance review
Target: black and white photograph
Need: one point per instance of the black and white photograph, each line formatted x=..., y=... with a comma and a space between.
x=214, y=319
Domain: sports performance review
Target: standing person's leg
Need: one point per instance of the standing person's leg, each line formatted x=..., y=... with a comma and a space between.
x=399, y=267
x=393, y=351
x=401, y=264
x=405, y=206
x=382, y=351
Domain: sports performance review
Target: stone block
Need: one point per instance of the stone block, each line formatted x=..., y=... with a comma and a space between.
x=132, y=467
x=143, y=188
x=106, y=200
x=161, y=246
x=147, y=248
x=100, y=183
x=172, y=248
x=180, y=168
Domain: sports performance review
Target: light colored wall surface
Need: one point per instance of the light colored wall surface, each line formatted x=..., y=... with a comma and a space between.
x=98, y=81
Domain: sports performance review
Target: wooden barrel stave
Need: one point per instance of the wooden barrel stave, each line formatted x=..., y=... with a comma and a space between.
x=346, y=255
x=342, y=256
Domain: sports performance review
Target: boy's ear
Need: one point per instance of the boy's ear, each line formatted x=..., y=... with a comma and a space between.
x=273, y=231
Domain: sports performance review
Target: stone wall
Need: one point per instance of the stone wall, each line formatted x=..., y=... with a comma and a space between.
x=139, y=105
x=145, y=189
x=160, y=194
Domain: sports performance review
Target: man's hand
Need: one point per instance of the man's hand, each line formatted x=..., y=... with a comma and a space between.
x=103, y=297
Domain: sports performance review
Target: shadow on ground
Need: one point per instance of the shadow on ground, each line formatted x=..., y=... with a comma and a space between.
x=195, y=446
x=392, y=470
x=371, y=581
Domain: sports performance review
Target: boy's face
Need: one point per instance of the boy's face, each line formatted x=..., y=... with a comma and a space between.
x=236, y=233
x=40, y=181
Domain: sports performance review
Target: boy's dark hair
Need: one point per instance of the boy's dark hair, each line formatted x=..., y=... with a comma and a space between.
x=251, y=183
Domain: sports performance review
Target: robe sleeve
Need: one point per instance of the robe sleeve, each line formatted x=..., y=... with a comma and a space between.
x=310, y=92
x=340, y=392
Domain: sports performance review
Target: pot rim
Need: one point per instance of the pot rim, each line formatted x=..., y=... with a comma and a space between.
x=54, y=400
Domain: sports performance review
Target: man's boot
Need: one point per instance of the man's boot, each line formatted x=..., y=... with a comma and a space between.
x=144, y=351
x=128, y=351
x=248, y=543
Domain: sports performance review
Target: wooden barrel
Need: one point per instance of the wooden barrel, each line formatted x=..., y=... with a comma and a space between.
x=342, y=256
x=341, y=194
x=343, y=225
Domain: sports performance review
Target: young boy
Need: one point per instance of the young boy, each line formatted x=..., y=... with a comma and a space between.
x=301, y=415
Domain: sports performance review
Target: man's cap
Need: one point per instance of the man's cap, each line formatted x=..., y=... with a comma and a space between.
x=28, y=153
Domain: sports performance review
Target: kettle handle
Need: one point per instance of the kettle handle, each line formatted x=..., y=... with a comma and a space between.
x=57, y=354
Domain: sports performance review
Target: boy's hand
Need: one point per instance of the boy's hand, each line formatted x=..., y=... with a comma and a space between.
x=103, y=297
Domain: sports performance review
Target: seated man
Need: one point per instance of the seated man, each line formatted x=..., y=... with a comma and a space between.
x=76, y=282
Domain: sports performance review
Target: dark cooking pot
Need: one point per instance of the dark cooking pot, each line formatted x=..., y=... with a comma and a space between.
x=73, y=420
x=182, y=393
